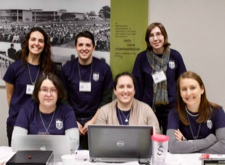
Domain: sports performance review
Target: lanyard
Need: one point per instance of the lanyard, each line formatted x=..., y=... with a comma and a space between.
x=79, y=70
x=30, y=75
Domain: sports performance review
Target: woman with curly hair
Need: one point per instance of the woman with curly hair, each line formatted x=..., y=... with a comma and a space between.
x=21, y=75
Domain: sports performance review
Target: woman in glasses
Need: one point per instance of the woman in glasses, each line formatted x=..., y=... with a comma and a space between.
x=48, y=115
x=125, y=109
x=156, y=71
x=196, y=125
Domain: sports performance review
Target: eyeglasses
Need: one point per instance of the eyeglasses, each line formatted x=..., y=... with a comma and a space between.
x=45, y=91
x=157, y=35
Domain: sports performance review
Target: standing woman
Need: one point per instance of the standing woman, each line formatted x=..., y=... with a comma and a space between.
x=156, y=71
x=196, y=125
x=22, y=74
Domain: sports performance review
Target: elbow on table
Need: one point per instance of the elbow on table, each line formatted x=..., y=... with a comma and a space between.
x=175, y=148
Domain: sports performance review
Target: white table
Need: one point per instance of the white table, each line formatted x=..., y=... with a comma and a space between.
x=82, y=157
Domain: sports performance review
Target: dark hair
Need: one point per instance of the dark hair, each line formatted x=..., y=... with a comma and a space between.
x=205, y=110
x=123, y=74
x=55, y=80
x=11, y=45
x=163, y=31
x=85, y=34
x=45, y=57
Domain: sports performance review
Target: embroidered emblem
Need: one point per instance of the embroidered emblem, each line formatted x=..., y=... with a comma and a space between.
x=96, y=76
x=59, y=124
x=209, y=124
x=172, y=64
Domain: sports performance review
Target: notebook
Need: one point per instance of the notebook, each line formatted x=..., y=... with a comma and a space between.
x=109, y=143
x=59, y=144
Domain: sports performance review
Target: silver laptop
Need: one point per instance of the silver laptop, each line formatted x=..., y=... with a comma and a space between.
x=109, y=143
x=59, y=144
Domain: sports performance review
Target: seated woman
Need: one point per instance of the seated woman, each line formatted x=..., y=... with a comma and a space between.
x=196, y=125
x=48, y=115
x=125, y=109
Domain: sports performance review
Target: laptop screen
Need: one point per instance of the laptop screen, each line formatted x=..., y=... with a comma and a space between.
x=109, y=143
x=59, y=144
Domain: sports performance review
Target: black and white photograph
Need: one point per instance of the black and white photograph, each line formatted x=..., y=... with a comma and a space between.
x=62, y=20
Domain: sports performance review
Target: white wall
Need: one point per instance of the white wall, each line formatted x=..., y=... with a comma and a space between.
x=3, y=117
x=196, y=30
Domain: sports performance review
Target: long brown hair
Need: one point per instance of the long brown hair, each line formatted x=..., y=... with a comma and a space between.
x=204, y=110
x=46, y=62
x=163, y=31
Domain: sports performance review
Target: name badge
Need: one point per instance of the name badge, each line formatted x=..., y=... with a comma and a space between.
x=159, y=76
x=30, y=89
x=84, y=86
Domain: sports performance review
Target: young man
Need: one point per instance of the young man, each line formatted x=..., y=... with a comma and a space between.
x=89, y=83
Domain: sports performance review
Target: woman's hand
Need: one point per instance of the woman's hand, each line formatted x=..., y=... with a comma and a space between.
x=179, y=136
x=80, y=128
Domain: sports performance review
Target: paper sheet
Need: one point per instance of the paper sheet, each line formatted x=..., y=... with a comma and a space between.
x=6, y=154
x=82, y=157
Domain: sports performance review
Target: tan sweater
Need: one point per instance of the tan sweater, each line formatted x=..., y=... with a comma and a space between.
x=141, y=114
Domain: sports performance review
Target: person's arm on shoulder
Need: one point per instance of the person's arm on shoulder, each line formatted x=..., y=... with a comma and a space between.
x=9, y=91
x=73, y=134
x=17, y=131
x=188, y=146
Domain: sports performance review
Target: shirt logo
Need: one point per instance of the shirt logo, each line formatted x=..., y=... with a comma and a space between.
x=209, y=124
x=96, y=76
x=59, y=124
x=171, y=64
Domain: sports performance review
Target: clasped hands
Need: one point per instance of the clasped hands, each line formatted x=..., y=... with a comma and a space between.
x=83, y=129
x=179, y=136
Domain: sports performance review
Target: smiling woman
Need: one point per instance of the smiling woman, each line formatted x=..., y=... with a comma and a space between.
x=48, y=115
x=196, y=125
x=22, y=75
x=156, y=71
x=125, y=109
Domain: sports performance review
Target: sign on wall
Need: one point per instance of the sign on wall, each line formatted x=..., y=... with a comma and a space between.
x=128, y=24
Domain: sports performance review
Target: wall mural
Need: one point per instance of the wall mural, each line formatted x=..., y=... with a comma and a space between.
x=62, y=20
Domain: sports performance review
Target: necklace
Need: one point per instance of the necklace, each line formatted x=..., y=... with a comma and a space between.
x=126, y=117
x=30, y=75
x=46, y=129
x=194, y=137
